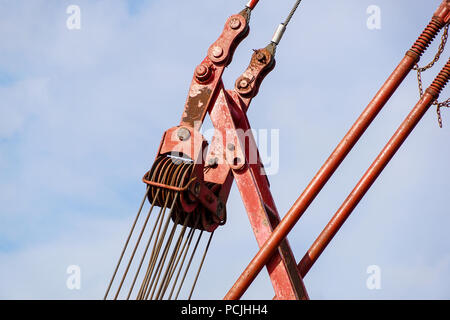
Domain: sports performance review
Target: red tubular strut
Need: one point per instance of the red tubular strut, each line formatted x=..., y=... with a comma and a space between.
x=431, y=94
x=440, y=18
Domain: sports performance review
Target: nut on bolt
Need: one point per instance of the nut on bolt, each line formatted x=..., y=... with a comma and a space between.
x=243, y=84
x=260, y=57
x=209, y=198
x=183, y=134
x=202, y=72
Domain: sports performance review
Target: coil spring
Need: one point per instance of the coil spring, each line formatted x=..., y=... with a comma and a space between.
x=427, y=36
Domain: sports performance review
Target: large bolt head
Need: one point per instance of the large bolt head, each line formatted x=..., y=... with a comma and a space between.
x=201, y=70
x=243, y=85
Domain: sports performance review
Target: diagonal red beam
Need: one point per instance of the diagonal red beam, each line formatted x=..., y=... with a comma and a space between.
x=440, y=18
x=402, y=133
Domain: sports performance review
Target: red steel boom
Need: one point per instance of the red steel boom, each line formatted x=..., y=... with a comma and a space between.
x=191, y=178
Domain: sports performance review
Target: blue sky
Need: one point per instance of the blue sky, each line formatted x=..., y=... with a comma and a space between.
x=82, y=113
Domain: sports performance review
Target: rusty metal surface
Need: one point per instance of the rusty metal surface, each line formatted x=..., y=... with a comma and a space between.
x=247, y=85
x=208, y=74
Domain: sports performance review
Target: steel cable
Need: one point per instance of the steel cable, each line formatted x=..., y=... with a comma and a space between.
x=134, y=251
x=189, y=264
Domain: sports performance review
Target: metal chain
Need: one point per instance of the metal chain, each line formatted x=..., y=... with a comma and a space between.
x=439, y=105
